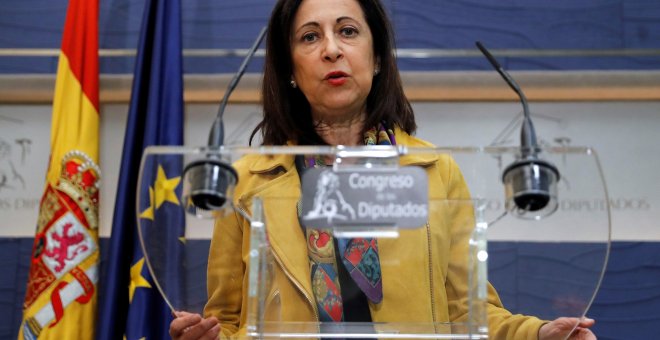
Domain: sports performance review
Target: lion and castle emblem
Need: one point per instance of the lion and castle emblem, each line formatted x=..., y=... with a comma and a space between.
x=63, y=267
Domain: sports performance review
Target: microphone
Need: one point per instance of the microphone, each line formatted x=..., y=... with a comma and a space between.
x=530, y=182
x=209, y=181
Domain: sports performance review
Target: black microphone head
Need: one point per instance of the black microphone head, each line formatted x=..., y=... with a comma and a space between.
x=208, y=185
x=531, y=188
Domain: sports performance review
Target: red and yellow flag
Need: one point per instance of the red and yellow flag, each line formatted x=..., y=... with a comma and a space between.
x=60, y=302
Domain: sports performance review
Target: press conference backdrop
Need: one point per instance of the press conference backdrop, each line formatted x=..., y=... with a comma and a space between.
x=569, y=36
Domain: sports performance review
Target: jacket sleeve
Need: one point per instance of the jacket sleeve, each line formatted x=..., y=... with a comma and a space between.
x=226, y=274
x=501, y=323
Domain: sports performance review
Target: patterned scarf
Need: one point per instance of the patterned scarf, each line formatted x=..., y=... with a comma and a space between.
x=359, y=255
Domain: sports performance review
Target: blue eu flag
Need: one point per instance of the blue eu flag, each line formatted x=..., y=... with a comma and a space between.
x=130, y=305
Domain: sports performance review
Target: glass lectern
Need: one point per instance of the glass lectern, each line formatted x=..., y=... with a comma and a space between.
x=421, y=235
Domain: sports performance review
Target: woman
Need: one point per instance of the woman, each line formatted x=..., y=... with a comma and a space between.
x=330, y=79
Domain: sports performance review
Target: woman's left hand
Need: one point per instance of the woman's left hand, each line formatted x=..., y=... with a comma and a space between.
x=562, y=328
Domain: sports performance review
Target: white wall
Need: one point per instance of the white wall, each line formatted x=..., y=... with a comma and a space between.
x=623, y=133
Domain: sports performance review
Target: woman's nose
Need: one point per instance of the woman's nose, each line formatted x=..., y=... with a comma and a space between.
x=332, y=51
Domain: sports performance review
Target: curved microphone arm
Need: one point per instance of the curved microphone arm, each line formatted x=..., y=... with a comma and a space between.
x=216, y=135
x=527, y=133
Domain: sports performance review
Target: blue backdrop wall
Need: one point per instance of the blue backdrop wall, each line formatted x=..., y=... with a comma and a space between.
x=583, y=25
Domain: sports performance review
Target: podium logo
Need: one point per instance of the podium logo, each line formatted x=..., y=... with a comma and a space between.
x=364, y=198
x=329, y=203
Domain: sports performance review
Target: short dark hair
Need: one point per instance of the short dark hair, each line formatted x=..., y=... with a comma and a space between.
x=287, y=115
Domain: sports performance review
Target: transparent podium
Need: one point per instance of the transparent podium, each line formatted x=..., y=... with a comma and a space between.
x=370, y=242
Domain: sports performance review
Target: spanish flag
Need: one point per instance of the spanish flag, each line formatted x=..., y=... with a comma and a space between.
x=60, y=301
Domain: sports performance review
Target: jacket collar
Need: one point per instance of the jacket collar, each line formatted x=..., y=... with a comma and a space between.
x=286, y=162
x=418, y=159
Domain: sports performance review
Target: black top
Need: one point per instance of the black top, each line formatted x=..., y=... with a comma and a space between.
x=355, y=302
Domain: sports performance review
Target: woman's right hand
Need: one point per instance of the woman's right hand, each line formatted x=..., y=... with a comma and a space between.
x=189, y=326
x=565, y=328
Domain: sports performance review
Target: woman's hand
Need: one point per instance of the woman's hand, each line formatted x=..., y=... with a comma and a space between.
x=561, y=328
x=188, y=326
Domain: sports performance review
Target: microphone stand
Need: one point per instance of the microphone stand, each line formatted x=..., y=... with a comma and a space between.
x=528, y=143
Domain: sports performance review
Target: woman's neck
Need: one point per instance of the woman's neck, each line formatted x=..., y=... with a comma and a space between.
x=344, y=130
x=341, y=132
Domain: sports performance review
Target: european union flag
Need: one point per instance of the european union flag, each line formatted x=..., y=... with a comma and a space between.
x=130, y=305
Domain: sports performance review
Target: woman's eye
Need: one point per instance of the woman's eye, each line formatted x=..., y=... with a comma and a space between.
x=309, y=37
x=348, y=31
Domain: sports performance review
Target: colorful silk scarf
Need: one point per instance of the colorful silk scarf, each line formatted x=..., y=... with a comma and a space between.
x=359, y=255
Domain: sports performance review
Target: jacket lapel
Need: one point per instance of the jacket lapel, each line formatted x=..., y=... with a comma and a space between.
x=280, y=198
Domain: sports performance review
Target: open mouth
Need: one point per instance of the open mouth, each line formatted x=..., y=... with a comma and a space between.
x=335, y=75
x=336, y=78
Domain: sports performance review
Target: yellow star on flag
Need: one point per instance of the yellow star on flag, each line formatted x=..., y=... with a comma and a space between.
x=149, y=212
x=137, y=280
x=164, y=188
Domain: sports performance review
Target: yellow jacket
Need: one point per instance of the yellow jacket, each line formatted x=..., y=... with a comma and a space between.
x=436, y=256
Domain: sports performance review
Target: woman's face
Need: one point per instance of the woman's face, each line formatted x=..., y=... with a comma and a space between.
x=333, y=58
